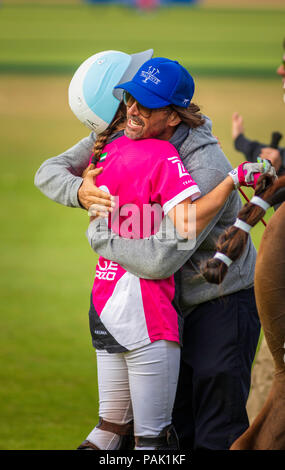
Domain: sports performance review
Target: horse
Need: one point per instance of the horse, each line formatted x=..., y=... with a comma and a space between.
x=267, y=431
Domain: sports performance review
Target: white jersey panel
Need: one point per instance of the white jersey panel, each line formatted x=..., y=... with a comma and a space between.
x=123, y=315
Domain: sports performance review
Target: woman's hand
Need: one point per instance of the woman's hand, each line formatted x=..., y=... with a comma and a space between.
x=247, y=173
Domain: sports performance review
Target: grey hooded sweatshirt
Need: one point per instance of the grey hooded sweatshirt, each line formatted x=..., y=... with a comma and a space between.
x=162, y=254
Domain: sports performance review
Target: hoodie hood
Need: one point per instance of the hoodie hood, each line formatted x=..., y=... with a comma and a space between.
x=192, y=139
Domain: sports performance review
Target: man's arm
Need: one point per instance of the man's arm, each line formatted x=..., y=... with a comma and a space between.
x=156, y=257
x=59, y=178
x=253, y=149
x=148, y=258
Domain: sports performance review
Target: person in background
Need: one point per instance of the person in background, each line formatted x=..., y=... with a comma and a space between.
x=252, y=148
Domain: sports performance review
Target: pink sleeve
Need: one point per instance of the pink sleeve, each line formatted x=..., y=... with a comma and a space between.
x=171, y=183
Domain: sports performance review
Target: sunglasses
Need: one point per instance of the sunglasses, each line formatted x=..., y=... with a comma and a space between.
x=129, y=100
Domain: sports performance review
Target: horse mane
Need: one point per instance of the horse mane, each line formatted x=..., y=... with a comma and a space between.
x=267, y=431
x=233, y=241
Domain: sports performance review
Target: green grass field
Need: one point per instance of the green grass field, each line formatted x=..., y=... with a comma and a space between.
x=232, y=42
x=48, y=392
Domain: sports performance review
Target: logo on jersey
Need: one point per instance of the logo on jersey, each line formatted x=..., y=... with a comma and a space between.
x=181, y=168
x=151, y=74
x=106, y=270
x=103, y=156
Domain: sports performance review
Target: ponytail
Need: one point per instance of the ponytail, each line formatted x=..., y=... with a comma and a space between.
x=102, y=138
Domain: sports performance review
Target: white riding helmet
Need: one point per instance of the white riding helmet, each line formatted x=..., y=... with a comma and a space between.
x=91, y=93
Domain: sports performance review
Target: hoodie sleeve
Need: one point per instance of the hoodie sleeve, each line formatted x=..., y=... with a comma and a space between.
x=59, y=178
x=156, y=257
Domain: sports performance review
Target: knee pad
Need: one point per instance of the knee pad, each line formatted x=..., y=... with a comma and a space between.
x=124, y=431
x=167, y=439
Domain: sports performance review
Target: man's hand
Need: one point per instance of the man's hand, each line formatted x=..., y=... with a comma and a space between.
x=89, y=194
x=273, y=155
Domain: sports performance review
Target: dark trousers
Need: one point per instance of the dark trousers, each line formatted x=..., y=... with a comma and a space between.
x=220, y=339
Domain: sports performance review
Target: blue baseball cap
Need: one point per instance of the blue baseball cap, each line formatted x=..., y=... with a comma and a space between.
x=160, y=82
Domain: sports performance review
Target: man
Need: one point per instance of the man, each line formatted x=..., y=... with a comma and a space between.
x=220, y=334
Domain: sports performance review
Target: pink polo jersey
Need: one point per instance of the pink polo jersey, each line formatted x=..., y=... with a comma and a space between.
x=147, y=179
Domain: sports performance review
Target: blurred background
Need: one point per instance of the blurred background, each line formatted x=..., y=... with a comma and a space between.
x=48, y=388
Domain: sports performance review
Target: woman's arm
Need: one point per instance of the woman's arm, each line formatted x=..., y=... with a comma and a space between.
x=206, y=208
x=162, y=254
x=209, y=205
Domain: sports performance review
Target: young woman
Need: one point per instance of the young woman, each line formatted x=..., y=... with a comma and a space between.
x=135, y=323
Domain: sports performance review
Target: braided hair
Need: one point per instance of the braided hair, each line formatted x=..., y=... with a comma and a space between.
x=102, y=139
x=233, y=241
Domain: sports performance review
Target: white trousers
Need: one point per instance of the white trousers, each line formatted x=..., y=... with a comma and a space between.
x=139, y=385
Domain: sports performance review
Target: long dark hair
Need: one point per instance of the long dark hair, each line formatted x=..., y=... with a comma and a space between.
x=190, y=116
